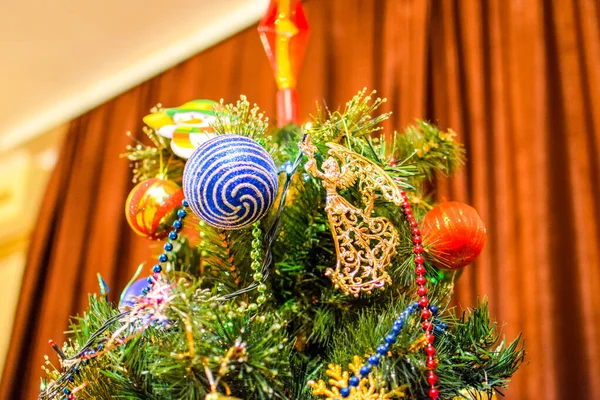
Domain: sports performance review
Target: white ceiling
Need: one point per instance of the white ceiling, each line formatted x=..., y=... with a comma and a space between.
x=60, y=58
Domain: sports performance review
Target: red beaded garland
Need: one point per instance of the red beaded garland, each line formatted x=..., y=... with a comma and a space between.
x=431, y=364
x=434, y=393
x=430, y=350
x=432, y=378
x=422, y=291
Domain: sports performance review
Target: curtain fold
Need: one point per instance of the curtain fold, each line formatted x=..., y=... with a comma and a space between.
x=517, y=80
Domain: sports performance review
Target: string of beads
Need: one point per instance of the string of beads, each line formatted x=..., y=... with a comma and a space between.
x=423, y=302
x=168, y=247
x=382, y=350
x=256, y=265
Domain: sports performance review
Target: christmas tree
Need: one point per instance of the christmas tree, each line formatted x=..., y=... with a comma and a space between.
x=300, y=262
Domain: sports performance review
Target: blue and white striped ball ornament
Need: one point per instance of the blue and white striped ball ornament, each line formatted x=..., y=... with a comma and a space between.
x=230, y=181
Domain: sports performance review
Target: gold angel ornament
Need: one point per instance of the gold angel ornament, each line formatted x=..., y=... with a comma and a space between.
x=364, y=243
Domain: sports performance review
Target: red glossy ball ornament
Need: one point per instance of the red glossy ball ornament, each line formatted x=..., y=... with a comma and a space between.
x=453, y=234
x=151, y=207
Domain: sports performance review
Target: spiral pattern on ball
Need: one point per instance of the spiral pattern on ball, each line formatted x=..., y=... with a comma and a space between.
x=230, y=181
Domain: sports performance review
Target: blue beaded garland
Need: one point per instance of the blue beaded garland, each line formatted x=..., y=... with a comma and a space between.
x=172, y=235
x=374, y=359
x=168, y=246
x=157, y=269
x=230, y=181
x=163, y=257
x=440, y=328
x=383, y=349
x=177, y=224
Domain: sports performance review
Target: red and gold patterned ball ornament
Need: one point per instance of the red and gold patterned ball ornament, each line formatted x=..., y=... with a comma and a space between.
x=454, y=235
x=151, y=207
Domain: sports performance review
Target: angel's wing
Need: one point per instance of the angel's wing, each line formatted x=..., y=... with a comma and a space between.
x=371, y=177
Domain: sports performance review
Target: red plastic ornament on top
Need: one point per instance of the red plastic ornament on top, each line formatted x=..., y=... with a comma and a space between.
x=284, y=34
x=453, y=234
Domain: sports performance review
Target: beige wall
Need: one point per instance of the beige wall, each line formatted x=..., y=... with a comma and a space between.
x=24, y=173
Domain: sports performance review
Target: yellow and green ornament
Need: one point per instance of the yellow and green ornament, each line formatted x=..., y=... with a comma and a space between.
x=188, y=126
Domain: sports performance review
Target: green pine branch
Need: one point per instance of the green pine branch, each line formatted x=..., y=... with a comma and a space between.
x=272, y=352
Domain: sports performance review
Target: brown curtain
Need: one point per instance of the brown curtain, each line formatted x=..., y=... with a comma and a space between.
x=518, y=80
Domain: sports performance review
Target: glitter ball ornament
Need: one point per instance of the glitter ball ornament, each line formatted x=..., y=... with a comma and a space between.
x=454, y=235
x=152, y=206
x=230, y=182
